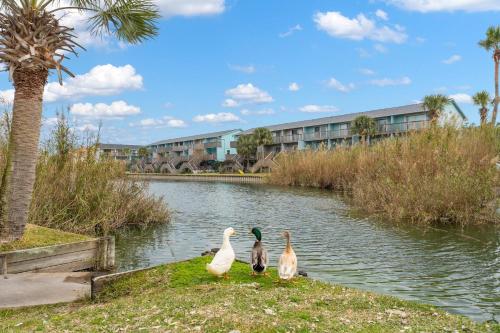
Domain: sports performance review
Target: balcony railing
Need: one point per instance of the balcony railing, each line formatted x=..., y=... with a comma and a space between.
x=344, y=133
x=215, y=144
x=179, y=148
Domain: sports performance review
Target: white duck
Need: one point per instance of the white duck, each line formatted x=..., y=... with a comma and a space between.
x=287, y=265
x=224, y=258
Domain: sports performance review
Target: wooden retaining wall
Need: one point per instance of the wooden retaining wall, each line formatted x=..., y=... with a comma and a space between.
x=97, y=254
x=237, y=179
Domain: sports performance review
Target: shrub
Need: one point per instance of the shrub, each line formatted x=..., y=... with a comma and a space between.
x=75, y=191
x=437, y=175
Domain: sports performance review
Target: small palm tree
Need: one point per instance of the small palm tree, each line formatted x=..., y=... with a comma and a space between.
x=262, y=136
x=492, y=42
x=363, y=126
x=32, y=42
x=482, y=99
x=246, y=147
x=435, y=105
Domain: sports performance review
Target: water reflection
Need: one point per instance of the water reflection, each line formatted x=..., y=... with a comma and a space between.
x=454, y=268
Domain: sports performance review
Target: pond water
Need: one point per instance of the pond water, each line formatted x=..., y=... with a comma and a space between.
x=456, y=269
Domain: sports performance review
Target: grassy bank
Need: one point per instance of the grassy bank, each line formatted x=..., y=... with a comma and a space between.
x=183, y=298
x=438, y=175
x=36, y=236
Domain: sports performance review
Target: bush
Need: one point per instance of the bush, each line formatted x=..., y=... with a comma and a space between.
x=437, y=175
x=75, y=191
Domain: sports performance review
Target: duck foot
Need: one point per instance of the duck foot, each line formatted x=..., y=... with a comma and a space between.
x=226, y=276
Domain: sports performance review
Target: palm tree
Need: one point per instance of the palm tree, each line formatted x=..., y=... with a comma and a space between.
x=435, y=105
x=482, y=99
x=246, y=147
x=32, y=42
x=262, y=136
x=492, y=42
x=363, y=126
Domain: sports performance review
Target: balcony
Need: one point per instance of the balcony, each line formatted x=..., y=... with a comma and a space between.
x=215, y=144
x=179, y=148
x=323, y=135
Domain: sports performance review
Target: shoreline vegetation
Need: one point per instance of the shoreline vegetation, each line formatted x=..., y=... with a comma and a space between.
x=76, y=191
x=438, y=175
x=183, y=297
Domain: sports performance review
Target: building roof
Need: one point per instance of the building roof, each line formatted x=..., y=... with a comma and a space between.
x=379, y=113
x=195, y=137
x=118, y=146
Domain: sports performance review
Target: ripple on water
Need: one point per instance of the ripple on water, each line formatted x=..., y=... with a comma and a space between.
x=455, y=269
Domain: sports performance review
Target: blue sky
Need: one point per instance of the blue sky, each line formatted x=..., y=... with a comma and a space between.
x=219, y=64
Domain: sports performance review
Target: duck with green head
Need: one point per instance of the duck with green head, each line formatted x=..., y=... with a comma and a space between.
x=259, y=259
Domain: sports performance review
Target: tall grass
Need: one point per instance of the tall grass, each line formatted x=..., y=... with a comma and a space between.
x=75, y=191
x=443, y=175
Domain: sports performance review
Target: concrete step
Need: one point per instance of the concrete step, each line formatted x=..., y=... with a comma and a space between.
x=29, y=289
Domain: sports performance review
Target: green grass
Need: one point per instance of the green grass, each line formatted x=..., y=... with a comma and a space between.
x=36, y=236
x=182, y=297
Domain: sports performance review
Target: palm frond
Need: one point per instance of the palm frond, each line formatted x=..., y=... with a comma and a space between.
x=132, y=21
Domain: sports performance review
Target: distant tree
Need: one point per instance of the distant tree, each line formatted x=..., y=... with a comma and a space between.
x=492, y=42
x=246, y=147
x=482, y=99
x=435, y=104
x=143, y=152
x=363, y=126
x=262, y=136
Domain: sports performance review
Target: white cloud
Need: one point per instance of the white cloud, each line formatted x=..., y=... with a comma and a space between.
x=102, y=80
x=358, y=28
x=249, y=69
x=391, y=82
x=313, y=108
x=380, y=48
x=248, y=93
x=169, y=8
x=116, y=109
x=264, y=112
x=230, y=103
x=87, y=128
x=382, y=15
x=337, y=85
x=454, y=58
x=166, y=121
x=294, y=86
x=7, y=96
x=367, y=71
x=50, y=121
x=425, y=6
x=221, y=117
x=461, y=98
x=291, y=31
x=168, y=105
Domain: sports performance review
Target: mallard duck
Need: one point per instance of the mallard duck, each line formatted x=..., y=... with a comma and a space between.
x=287, y=265
x=224, y=258
x=259, y=260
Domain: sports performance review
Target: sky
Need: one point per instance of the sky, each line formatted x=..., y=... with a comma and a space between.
x=227, y=64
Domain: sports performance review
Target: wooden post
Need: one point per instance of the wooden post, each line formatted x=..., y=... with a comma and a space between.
x=111, y=253
x=105, y=259
x=3, y=266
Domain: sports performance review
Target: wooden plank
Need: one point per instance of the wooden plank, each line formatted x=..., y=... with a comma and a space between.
x=49, y=251
x=69, y=267
x=46, y=262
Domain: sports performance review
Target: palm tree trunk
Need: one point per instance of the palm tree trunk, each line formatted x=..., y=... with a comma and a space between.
x=29, y=85
x=496, y=57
